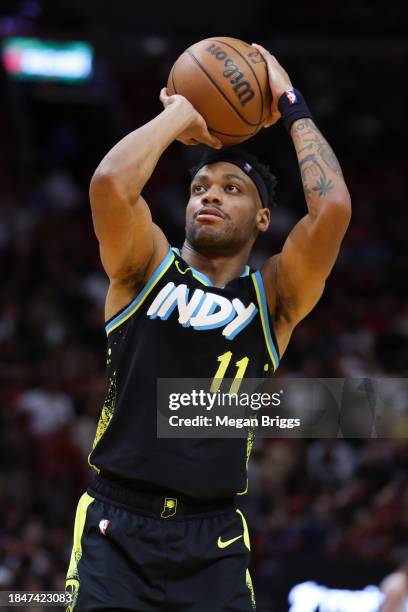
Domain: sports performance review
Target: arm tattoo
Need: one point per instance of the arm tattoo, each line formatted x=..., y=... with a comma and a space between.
x=314, y=177
x=319, y=168
x=329, y=158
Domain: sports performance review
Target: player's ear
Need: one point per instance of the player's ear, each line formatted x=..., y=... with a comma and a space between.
x=263, y=219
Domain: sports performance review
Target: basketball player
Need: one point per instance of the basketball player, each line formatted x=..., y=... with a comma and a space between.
x=160, y=526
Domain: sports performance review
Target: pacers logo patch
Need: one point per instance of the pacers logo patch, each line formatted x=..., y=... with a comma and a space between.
x=169, y=507
x=103, y=525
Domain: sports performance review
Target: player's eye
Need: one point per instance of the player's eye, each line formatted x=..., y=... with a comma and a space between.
x=232, y=188
x=197, y=188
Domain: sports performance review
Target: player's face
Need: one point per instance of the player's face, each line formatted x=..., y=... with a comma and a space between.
x=224, y=211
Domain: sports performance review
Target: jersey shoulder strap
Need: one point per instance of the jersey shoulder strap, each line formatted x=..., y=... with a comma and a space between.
x=129, y=310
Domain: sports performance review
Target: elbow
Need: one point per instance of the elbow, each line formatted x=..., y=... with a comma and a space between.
x=101, y=188
x=338, y=210
x=103, y=178
x=334, y=217
x=108, y=183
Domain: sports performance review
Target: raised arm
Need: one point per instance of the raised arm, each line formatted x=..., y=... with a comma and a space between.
x=131, y=245
x=294, y=279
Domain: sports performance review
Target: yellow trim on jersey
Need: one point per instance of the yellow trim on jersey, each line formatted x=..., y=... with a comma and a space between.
x=245, y=527
x=245, y=491
x=247, y=543
x=249, y=584
x=250, y=443
x=202, y=278
x=138, y=301
x=263, y=310
x=105, y=417
x=97, y=470
x=72, y=580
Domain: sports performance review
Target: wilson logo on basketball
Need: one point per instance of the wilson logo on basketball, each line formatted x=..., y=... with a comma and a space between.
x=234, y=74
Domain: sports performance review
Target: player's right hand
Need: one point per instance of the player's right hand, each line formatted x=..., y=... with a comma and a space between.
x=279, y=82
x=197, y=131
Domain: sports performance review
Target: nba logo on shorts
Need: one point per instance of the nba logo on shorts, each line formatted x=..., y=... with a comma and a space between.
x=291, y=96
x=103, y=525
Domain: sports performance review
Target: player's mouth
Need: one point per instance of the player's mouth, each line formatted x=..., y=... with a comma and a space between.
x=209, y=213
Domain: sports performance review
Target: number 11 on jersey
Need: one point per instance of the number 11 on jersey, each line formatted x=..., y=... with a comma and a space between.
x=224, y=361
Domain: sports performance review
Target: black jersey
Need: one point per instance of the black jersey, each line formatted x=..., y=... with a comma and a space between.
x=180, y=326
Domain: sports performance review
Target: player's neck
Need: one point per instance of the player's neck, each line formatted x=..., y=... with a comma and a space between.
x=220, y=269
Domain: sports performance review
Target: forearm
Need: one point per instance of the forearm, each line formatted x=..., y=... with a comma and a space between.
x=321, y=175
x=131, y=162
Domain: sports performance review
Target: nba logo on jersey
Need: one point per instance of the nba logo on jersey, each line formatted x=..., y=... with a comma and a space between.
x=103, y=525
x=203, y=310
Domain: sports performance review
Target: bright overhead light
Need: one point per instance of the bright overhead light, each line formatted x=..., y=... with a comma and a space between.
x=40, y=60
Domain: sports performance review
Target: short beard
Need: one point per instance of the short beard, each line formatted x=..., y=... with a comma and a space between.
x=207, y=241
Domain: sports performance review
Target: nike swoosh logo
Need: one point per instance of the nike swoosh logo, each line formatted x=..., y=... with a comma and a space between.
x=222, y=544
x=179, y=269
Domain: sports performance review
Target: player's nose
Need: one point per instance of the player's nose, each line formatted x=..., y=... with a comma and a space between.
x=213, y=195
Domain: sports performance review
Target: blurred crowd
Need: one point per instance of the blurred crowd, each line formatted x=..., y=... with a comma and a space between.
x=338, y=499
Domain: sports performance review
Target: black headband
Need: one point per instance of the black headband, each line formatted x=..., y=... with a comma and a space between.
x=253, y=174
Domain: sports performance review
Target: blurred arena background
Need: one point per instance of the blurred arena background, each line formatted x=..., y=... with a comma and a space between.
x=330, y=511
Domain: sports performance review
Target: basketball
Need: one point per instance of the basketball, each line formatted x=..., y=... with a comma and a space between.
x=226, y=80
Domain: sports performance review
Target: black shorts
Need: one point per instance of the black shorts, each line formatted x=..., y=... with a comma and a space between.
x=163, y=560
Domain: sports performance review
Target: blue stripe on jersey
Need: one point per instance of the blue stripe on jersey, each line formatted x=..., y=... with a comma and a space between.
x=260, y=292
x=134, y=305
x=203, y=278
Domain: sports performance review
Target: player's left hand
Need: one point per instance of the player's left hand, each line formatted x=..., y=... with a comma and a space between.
x=279, y=82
